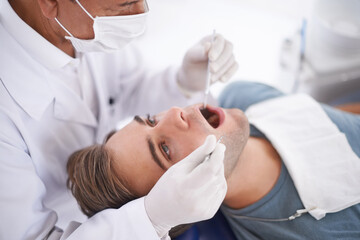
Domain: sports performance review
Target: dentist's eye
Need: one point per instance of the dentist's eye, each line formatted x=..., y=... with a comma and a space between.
x=166, y=150
x=151, y=120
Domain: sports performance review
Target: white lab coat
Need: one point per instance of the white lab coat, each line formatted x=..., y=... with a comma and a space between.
x=42, y=121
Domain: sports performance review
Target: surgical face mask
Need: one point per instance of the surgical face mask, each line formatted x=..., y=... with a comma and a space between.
x=111, y=32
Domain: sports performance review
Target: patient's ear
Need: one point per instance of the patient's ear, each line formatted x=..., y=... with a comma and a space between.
x=49, y=8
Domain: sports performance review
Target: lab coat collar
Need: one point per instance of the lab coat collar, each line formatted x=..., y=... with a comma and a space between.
x=35, y=94
x=37, y=46
x=19, y=74
x=31, y=93
x=33, y=106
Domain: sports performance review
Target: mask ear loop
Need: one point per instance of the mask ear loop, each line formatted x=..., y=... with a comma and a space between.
x=63, y=27
x=82, y=7
x=146, y=7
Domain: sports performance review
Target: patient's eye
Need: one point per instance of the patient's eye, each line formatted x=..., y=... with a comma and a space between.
x=151, y=120
x=166, y=150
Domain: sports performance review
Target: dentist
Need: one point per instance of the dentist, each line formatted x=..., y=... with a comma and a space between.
x=63, y=86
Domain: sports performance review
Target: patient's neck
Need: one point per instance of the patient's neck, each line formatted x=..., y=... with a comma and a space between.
x=255, y=174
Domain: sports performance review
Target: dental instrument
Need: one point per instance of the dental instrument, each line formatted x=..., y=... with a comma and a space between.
x=208, y=76
x=218, y=141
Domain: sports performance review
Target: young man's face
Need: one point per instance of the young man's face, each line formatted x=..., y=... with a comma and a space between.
x=144, y=149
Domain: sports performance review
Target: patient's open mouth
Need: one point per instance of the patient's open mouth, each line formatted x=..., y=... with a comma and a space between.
x=214, y=116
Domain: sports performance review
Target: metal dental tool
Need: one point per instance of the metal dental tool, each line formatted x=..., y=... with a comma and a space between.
x=208, y=76
x=218, y=141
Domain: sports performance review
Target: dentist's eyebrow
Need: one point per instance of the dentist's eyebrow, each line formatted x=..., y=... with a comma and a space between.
x=128, y=3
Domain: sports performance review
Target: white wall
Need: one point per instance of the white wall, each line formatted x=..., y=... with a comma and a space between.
x=255, y=27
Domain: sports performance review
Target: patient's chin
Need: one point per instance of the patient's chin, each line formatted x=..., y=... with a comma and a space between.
x=235, y=141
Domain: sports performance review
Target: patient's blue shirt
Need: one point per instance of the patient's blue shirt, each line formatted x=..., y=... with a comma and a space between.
x=283, y=200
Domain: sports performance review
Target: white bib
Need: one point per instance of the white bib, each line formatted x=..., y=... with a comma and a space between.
x=320, y=161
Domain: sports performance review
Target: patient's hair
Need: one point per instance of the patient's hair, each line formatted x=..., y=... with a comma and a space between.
x=96, y=186
x=94, y=182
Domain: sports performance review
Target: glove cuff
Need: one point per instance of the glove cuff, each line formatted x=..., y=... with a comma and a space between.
x=162, y=231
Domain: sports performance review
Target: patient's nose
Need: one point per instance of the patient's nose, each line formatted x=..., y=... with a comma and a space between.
x=175, y=117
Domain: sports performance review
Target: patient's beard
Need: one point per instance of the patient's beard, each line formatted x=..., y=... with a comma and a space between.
x=235, y=143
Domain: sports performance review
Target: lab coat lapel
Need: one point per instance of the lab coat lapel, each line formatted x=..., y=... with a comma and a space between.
x=104, y=126
x=31, y=93
x=70, y=107
x=34, y=95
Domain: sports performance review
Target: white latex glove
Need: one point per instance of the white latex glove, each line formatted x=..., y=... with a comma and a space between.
x=189, y=191
x=222, y=65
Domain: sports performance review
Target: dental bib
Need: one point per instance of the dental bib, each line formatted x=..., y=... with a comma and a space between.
x=319, y=159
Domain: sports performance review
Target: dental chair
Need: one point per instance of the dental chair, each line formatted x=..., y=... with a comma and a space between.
x=216, y=228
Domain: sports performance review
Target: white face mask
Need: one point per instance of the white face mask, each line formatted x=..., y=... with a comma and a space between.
x=111, y=32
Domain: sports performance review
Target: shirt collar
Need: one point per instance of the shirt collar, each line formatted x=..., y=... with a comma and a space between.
x=36, y=45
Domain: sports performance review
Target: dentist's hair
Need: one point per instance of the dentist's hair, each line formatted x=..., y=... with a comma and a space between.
x=94, y=182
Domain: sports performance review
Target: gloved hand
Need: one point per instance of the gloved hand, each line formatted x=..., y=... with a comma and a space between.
x=189, y=191
x=222, y=65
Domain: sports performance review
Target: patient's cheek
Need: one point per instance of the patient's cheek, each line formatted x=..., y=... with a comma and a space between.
x=143, y=181
x=190, y=147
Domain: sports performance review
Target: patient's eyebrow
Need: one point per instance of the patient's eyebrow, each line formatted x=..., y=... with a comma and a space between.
x=151, y=144
x=109, y=135
x=139, y=120
x=154, y=155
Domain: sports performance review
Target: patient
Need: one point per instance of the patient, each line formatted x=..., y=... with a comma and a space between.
x=258, y=182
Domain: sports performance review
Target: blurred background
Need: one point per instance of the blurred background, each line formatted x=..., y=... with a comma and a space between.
x=291, y=44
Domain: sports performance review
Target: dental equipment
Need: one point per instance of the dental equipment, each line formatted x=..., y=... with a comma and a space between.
x=218, y=141
x=301, y=57
x=208, y=76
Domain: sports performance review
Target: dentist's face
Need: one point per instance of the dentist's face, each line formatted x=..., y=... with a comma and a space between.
x=145, y=148
x=80, y=24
